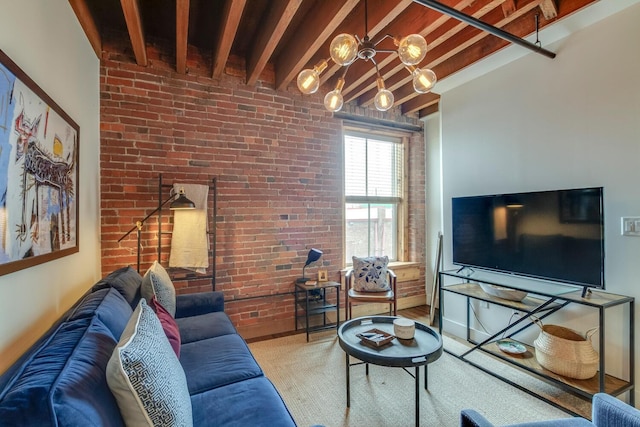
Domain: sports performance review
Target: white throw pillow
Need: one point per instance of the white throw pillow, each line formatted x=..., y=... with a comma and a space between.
x=156, y=281
x=145, y=375
x=370, y=274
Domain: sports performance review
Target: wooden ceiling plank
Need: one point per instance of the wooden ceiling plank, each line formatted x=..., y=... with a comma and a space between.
x=280, y=15
x=230, y=21
x=420, y=102
x=549, y=9
x=317, y=26
x=508, y=7
x=131, y=11
x=426, y=111
x=182, y=35
x=88, y=25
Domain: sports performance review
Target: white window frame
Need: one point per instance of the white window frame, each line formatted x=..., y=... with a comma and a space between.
x=400, y=202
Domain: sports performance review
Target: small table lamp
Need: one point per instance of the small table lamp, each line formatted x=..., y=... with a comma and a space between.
x=313, y=256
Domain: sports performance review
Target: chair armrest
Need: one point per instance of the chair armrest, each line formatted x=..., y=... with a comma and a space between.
x=393, y=282
x=188, y=305
x=610, y=411
x=471, y=418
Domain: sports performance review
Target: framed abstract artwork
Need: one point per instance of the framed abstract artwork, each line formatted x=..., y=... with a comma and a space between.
x=39, y=174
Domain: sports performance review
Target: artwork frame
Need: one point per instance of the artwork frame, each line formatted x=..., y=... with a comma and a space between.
x=39, y=174
x=323, y=276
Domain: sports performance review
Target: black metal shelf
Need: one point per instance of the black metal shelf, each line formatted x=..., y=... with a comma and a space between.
x=311, y=300
x=542, y=302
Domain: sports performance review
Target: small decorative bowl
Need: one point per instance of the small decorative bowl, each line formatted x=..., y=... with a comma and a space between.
x=404, y=328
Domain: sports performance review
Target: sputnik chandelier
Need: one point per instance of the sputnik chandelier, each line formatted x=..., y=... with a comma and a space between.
x=345, y=49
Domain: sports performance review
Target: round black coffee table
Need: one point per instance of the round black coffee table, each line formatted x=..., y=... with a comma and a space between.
x=424, y=348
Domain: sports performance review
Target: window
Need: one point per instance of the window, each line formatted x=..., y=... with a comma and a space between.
x=374, y=171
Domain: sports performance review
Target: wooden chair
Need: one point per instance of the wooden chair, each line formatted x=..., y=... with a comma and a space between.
x=351, y=296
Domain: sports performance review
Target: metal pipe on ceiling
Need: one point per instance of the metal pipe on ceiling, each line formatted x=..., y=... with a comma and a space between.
x=454, y=13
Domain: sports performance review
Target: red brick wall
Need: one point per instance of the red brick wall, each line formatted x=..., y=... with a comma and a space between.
x=277, y=158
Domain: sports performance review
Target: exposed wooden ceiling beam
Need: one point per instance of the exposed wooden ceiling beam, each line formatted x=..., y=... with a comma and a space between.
x=508, y=7
x=424, y=112
x=280, y=15
x=88, y=25
x=317, y=26
x=420, y=102
x=549, y=9
x=182, y=35
x=229, y=27
x=131, y=11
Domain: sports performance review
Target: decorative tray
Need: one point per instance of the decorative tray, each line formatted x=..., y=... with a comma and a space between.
x=511, y=347
x=375, y=338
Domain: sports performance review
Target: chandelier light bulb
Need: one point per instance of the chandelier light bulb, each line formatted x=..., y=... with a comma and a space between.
x=309, y=79
x=423, y=80
x=333, y=101
x=384, y=98
x=412, y=49
x=344, y=49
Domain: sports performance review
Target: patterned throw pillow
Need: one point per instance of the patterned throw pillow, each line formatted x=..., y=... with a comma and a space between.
x=156, y=281
x=145, y=375
x=169, y=325
x=370, y=274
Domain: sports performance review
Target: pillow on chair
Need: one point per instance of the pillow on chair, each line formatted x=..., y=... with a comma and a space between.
x=370, y=274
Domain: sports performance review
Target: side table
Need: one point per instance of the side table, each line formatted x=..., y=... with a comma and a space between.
x=312, y=300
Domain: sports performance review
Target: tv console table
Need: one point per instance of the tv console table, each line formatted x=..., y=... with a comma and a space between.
x=541, y=302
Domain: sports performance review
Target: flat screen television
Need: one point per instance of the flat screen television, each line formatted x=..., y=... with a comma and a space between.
x=551, y=235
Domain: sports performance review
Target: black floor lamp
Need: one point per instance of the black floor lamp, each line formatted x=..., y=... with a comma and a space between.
x=180, y=203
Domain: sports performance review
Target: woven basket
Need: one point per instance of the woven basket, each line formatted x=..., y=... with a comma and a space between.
x=566, y=352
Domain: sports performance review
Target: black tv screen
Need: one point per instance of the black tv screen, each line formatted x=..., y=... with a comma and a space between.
x=552, y=235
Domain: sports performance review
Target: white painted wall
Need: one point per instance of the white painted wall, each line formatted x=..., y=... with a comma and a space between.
x=44, y=38
x=536, y=124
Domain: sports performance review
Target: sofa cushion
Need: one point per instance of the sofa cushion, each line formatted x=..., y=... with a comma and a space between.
x=126, y=280
x=63, y=382
x=216, y=362
x=254, y=402
x=370, y=274
x=145, y=375
x=109, y=306
x=168, y=323
x=204, y=326
x=156, y=281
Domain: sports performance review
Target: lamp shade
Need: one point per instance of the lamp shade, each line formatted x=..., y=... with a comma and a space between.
x=313, y=256
x=182, y=202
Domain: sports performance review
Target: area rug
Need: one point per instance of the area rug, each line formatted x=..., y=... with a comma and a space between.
x=310, y=376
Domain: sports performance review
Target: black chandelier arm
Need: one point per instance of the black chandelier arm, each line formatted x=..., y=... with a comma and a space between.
x=386, y=36
x=140, y=223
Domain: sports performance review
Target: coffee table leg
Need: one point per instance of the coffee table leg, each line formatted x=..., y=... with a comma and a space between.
x=348, y=381
x=418, y=395
x=426, y=382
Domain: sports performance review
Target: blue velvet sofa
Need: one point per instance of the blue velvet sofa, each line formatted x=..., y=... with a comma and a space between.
x=61, y=380
x=606, y=411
